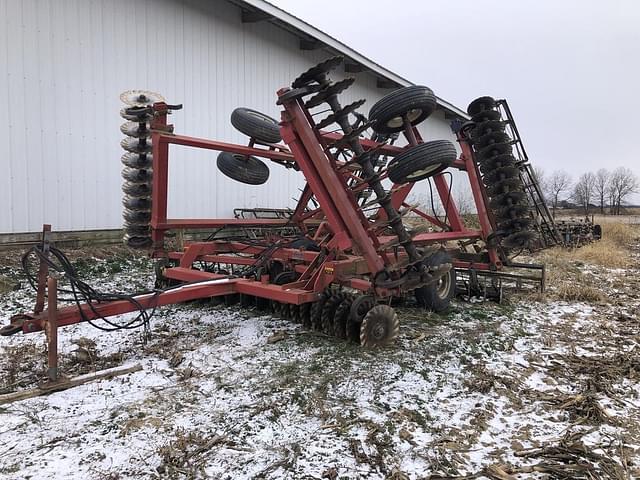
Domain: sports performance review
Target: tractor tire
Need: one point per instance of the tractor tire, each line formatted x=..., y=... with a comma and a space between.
x=437, y=296
x=416, y=102
x=249, y=170
x=422, y=161
x=256, y=125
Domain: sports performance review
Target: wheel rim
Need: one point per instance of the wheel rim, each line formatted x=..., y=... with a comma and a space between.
x=424, y=172
x=412, y=116
x=443, y=286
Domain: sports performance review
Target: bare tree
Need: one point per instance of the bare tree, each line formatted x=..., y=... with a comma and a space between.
x=541, y=178
x=583, y=190
x=601, y=186
x=622, y=184
x=558, y=182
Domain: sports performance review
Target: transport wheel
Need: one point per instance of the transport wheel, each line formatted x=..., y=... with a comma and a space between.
x=329, y=310
x=415, y=102
x=422, y=161
x=437, y=296
x=481, y=104
x=256, y=125
x=380, y=327
x=249, y=170
x=341, y=317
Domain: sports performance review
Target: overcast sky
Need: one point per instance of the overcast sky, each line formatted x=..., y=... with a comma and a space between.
x=570, y=69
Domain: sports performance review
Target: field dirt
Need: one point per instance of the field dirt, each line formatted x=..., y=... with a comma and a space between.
x=536, y=387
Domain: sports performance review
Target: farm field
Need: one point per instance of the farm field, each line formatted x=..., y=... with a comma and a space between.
x=536, y=387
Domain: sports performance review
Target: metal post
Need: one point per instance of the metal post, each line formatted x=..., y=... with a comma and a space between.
x=51, y=329
x=43, y=270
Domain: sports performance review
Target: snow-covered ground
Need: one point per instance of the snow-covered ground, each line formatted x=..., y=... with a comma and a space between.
x=480, y=392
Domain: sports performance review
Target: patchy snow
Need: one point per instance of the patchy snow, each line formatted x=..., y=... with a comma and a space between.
x=455, y=395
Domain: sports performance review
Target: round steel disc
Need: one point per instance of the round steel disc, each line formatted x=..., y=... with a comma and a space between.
x=140, y=98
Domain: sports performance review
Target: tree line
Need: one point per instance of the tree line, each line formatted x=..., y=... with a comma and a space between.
x=604, y=190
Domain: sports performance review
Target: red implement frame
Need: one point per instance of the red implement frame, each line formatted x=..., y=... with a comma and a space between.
x=355, y=248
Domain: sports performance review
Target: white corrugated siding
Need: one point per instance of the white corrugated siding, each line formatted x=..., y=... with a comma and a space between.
x=65, y=63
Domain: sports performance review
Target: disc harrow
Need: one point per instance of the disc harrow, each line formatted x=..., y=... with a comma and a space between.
x=337, y=261
x=493, y=151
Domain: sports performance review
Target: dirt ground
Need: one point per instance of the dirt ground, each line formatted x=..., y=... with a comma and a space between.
x=536, y=387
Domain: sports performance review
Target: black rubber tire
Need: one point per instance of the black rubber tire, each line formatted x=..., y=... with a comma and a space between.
x=316, y=310
x=481, y=104
x=417, y=101
x=437, y=296
x=422, y=161
x=249, y=170
x=256, y=125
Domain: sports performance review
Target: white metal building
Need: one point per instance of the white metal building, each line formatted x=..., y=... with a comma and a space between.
x=64, y=63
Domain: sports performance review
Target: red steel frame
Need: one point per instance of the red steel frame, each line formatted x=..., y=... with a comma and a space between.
x=338, y=214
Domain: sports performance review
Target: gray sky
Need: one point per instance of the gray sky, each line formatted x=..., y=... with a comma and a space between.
x=570, y=69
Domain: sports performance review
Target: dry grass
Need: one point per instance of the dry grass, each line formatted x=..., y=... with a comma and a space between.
x=613, y=249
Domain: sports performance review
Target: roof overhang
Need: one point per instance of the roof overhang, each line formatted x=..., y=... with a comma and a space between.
x=311, y=38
